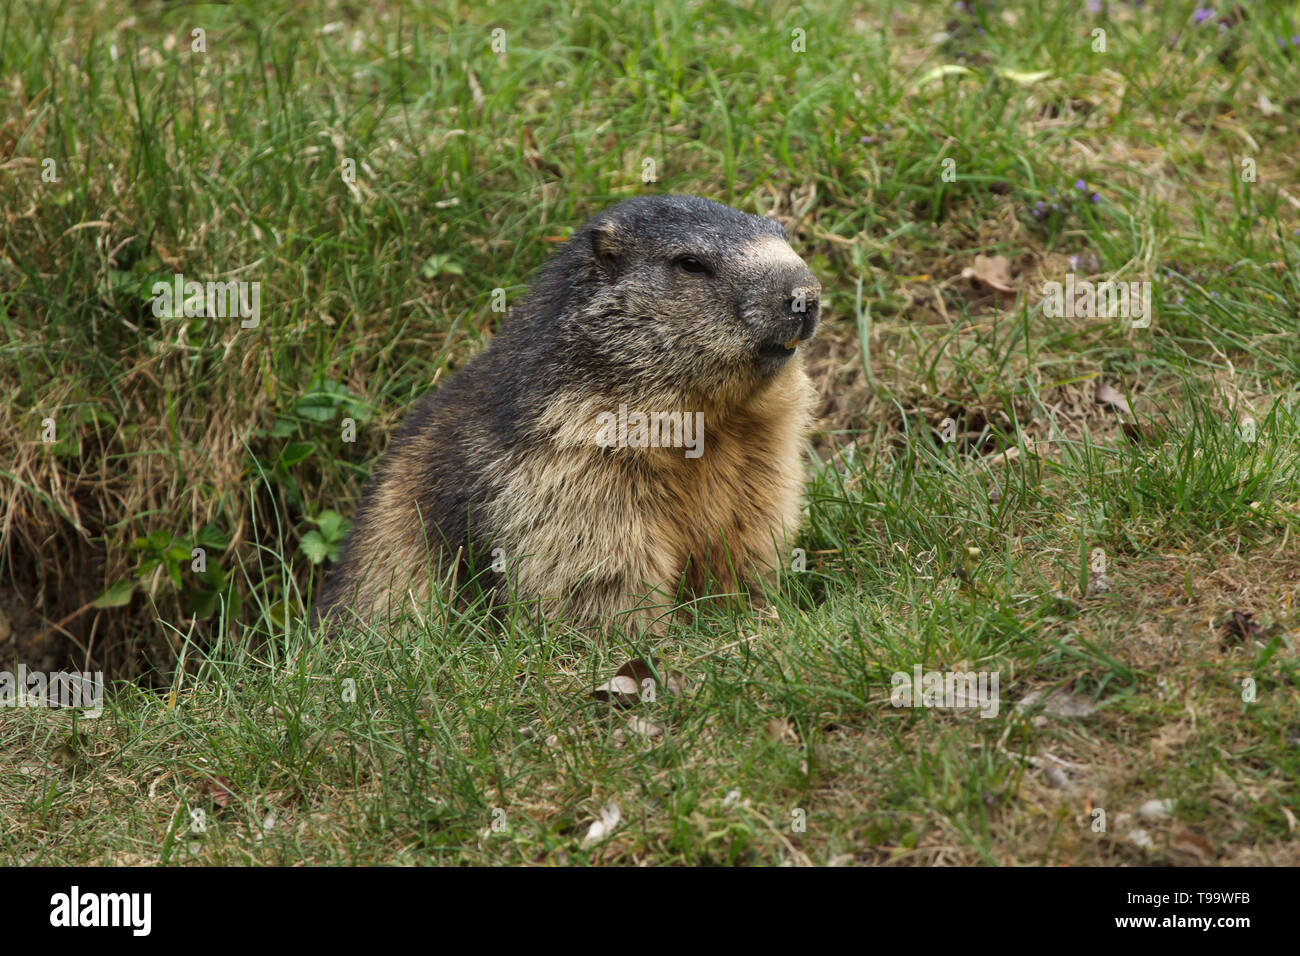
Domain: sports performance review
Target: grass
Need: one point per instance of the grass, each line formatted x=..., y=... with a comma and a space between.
x=1073, y=546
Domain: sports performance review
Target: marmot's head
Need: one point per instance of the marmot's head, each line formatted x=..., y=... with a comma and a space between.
x=675, y=294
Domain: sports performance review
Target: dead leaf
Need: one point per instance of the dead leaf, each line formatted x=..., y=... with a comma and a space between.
x=1194, y=845
x=675, y=683
x=635, y=682
x=628, y=685
x=610, y=817
x=218, y=788
x=1142, y=433
x=1156, y=809
x=1239, y=628
x=1058, y=703
x=780, y=729
x=645, y=728
x=637, y=669
x=1139, y=837
x=475, y=88
x=621, y=691
x=533, y=156
x=1057, y=778
x=1107, y=395
x=992, y=271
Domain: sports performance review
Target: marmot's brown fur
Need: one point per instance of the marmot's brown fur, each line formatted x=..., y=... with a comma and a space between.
x=659, y=305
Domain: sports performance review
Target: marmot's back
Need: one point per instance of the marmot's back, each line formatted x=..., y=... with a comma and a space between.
x=636, y=426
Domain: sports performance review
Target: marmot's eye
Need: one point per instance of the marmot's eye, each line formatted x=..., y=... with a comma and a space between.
x=692, y=265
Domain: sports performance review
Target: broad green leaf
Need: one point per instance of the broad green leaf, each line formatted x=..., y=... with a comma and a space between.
x=296, y=452
x=314, y=546
x=438, y=264
x=116, y=596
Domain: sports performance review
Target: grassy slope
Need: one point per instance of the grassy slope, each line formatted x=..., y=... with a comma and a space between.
x=174, y=433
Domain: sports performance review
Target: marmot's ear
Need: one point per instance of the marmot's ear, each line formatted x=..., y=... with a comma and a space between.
x=607, y=247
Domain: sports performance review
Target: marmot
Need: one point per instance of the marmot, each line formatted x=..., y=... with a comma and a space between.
x=546, y=467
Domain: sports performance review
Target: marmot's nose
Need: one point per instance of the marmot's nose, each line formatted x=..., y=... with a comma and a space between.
x=801, y=296
x=783, y=302
x=804, y=303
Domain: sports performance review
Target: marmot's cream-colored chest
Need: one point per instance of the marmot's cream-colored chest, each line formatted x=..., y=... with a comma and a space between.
x=608, y=529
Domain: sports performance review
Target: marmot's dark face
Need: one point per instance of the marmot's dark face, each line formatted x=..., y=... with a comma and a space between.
x=690, y=295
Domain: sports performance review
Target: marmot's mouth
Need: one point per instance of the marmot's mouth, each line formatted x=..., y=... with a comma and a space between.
x=778, y=350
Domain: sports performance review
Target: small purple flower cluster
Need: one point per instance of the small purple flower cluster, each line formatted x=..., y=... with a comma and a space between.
x=1198, y=278
x=970, y=9
x=1204, y=15
x=869, y=140
x=1045, y=208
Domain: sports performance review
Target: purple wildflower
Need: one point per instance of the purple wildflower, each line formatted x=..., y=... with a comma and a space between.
x=1203, y=14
